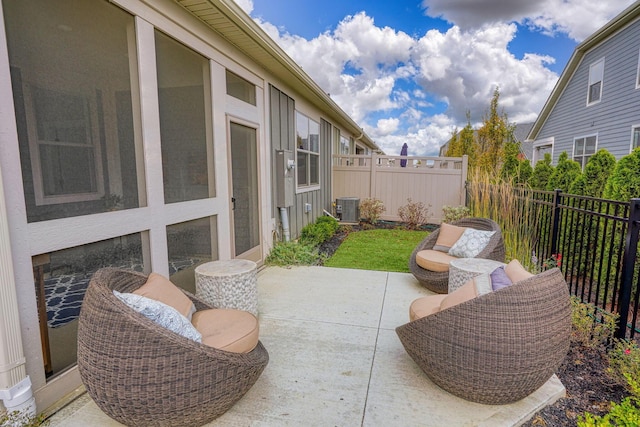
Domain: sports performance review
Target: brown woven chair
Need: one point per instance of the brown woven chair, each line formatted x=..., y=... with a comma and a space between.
x=499, y=347
x=438, y=281
x=142, y=374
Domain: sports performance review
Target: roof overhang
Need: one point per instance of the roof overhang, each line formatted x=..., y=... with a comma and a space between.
x=232, y=23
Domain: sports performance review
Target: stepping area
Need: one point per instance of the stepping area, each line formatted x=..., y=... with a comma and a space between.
x=335, y=360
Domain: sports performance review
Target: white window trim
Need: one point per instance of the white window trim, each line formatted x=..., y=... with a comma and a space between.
x=634, y=126
x=309, y=187
x=541, y=143
x=638, y=72
x=601, y=60
x=573, y=149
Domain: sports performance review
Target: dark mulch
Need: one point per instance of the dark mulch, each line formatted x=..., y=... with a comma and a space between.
x=589, y=389
x=583, y=372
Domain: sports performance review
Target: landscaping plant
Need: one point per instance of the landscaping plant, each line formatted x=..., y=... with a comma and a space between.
x=414, y=214
x=371, y=209
x=454, y=213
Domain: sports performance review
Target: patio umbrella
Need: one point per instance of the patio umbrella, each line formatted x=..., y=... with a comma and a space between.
x=403, y=152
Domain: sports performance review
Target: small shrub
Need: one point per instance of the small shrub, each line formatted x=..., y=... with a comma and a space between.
x=371, y=209
x=625, y=413
x=586, y=329
x=454, y=213
x=414, y=214
x=331, y=222
x=18, y=418
x=624, y=361
x=293, y=253
x=315, y=233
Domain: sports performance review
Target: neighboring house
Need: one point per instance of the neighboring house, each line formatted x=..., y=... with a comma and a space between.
x=596, y=102
x=147, y=134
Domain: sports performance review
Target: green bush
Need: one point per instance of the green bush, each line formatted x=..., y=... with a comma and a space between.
x=293, y=253
x=564, y=173
x=320, y=231
x=541, y=173
x=587, y=329
x=454, y=213
x=371, y=209
x=624, y=361
x=624, y=182
x=597, y=172
x=331, y=222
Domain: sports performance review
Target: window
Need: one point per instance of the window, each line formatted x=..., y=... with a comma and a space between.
x=635, y=137
x=64, y=136
x=240, y=88
x=344, y=145
x=72, y=87
x=307, y=151
x=584, y=148
x=540, y=148
x=596, y=72
x=183, y=88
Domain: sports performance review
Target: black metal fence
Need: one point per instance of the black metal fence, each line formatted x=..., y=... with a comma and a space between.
x=593, y=241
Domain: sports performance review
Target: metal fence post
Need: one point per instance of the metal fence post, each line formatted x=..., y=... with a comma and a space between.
x=628, y=267
x=555, y=224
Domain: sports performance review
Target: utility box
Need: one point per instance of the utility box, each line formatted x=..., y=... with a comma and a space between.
x=348, y=209
x=285, y=176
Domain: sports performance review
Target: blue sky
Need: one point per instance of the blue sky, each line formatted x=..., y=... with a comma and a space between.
x=410, y=70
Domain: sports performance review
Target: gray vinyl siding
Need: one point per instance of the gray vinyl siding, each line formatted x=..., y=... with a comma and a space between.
x=619, y=109
x=283, y=137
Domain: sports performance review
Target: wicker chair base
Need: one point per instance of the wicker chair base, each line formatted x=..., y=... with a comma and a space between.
x=141, y=374
x=439, y=281
x=497, y=348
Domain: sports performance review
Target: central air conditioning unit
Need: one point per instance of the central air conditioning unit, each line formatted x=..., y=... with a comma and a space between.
x=348, y=209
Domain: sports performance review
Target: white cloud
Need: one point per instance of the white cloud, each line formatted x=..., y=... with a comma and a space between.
x=464, y=68
x=246, y=5
x=387, y=126
x=395, y=85
x=577, y=18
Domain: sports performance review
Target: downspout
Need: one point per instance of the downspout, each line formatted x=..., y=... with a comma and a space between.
x=15, y=385
x=285, y=224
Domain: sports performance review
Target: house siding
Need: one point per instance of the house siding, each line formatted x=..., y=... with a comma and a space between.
x=619, y=109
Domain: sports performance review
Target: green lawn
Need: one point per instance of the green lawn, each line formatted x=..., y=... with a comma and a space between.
x=381, y=249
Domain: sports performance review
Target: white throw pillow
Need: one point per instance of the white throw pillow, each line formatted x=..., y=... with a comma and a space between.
x=471, y=243
x=161, y=313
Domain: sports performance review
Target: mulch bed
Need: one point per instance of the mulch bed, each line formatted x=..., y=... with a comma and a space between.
x=583, y=372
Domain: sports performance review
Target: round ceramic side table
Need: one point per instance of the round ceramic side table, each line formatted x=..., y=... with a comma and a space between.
x=463, y=269
x=228, y=284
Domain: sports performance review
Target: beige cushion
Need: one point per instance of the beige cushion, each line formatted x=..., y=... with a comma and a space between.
x=447, y=236
x=227, y=329
x=516, y=272
x=425, y=306
x=159, y=288
x=466, y=292
x=434, y=260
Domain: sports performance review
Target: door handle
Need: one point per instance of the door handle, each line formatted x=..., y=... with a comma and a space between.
x=233, y=203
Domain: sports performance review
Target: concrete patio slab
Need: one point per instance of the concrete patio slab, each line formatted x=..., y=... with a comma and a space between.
x=335, y=360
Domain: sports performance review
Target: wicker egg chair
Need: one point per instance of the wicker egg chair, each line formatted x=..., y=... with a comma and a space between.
x=499, y=347
x=439, y=281
x=142, y=374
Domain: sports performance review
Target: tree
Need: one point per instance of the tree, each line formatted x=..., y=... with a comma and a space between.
x=541, y=173
x=463, y=142
x=454, y=148
x=564, y=174
x=597, y=172
x=624, y=182
x=492, y=136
